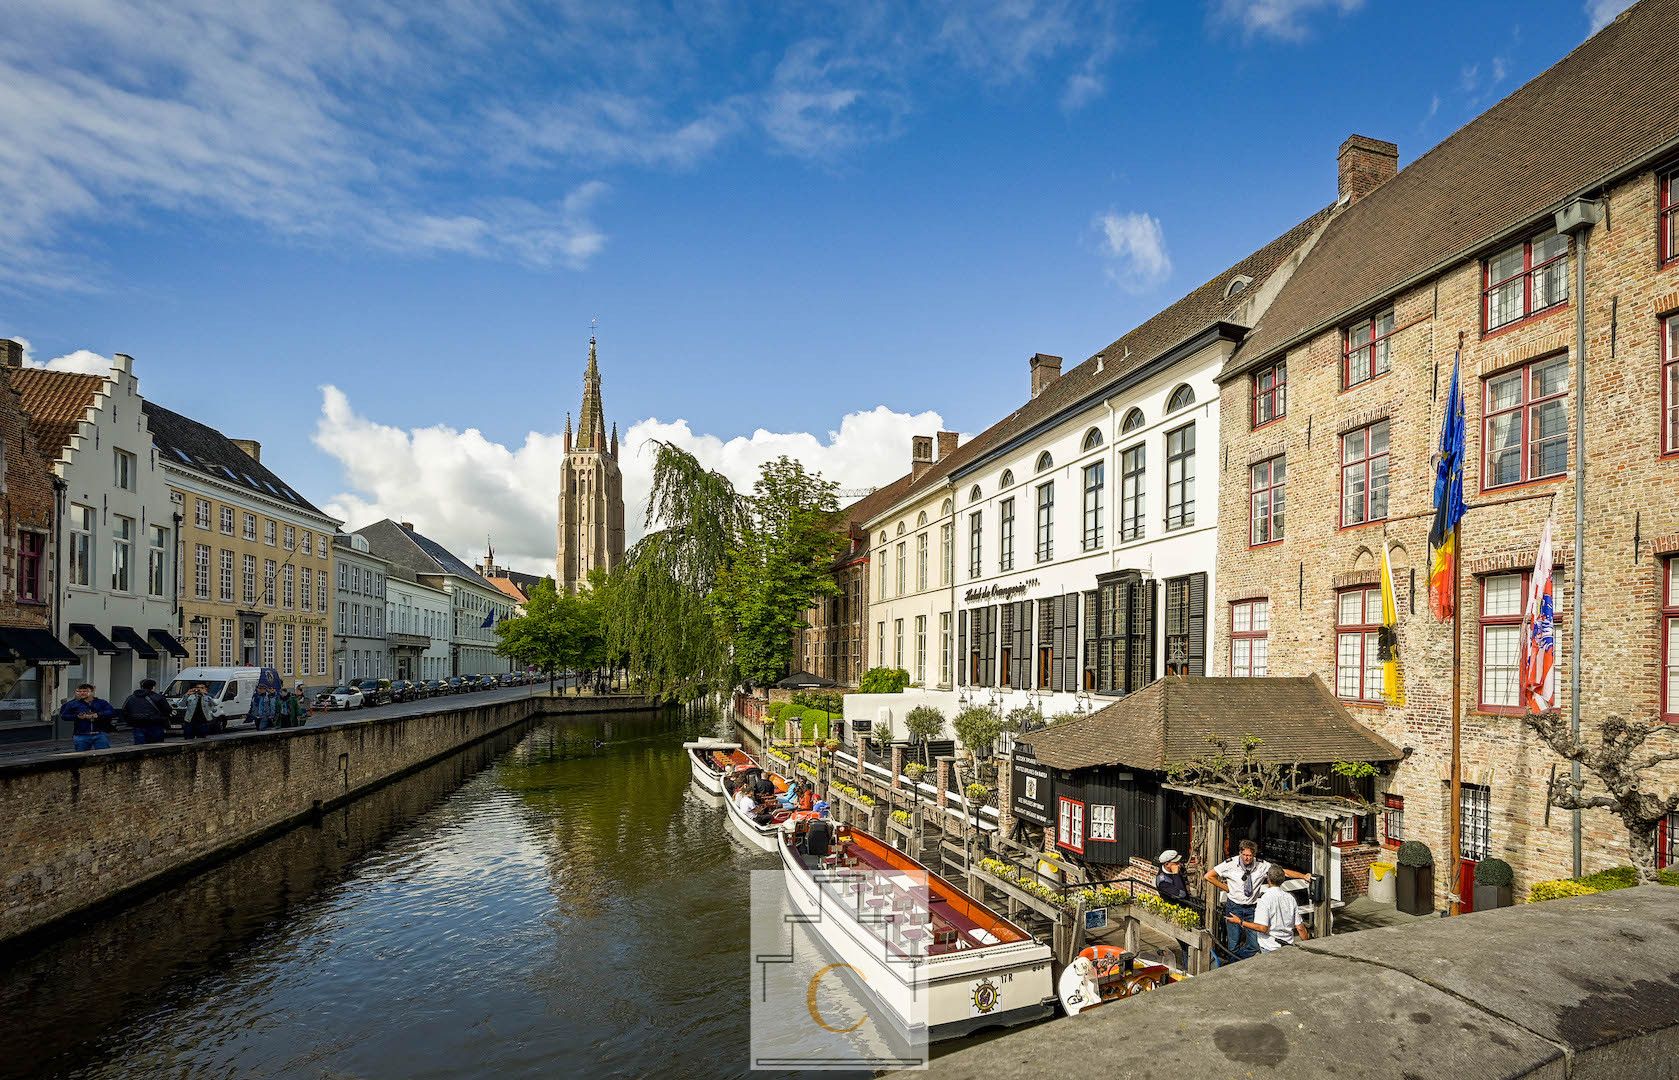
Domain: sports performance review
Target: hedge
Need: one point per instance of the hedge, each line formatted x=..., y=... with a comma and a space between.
x=1618, y=877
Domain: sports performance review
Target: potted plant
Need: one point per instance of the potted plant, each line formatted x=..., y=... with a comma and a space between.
x=1493, y=882
x=1416, y=878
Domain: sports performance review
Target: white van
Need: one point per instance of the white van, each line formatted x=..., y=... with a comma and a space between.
x=231, y=688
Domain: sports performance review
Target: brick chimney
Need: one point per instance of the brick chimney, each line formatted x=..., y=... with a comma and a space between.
x=11, y=353
x=920, y=455
x=251, y=447
x=1365, y=165
x=947, y=444
x=1045, y=370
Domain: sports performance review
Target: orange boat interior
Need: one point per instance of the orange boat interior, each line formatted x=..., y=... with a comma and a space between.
x=740, y=759
x=957, y=922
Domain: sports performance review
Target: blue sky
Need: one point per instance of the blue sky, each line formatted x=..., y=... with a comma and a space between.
x=375, y=240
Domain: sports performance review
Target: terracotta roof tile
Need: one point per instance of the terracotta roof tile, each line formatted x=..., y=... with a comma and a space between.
x=1605, y=108
x=1297, y=720
x=55, y=402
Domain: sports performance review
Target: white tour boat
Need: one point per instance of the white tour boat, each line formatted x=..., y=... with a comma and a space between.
x=710, y=758
x=761, y=835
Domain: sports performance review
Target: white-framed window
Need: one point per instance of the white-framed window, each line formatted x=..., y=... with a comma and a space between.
x=307, y=542
x=947, y=552
x=227, y=520
x=1095, y=475
x=249, y=532
x=307, y=590
x=268, y=535
x=201, y=571
x=1102, y=822
x=122, y=553
x=127, y=470
x=201, y=642
x=226, y=592
x=921, y=562
x=80, y=570
x=303, y=656
x=1358, y=667
x=288, y=648
x=902, y=567
x=201, y=513
x=227, y=641
x=268, y=645
x=320, y=649
x=248, y=579
x=1502, y=597
x=1005, y=535
x=1046, y=521
x=157, y=562
x=1180, y=477
x=921, y=649
x=898, y=643
x=880, y=642
x=288, y=586
x=320, y=591
x=944, y=648
x=290, y=537
x=1133, y=505
x=1069, y=823
x=270, y=576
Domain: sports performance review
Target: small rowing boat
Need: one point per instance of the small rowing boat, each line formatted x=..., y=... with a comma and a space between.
x=929, y=952
x=709, y=759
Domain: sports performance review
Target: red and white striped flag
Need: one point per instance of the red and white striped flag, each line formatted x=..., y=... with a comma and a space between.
x=1539, y=634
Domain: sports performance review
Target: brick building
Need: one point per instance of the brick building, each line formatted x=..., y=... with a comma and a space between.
x=1461, y=250
x=831, y=644
x=31, y=659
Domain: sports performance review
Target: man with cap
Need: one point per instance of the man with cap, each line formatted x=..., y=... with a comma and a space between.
x=1169, y=884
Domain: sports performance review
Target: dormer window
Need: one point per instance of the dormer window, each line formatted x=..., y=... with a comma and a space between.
x=1525, y=279
x=1270, y=393
x=1237, y=284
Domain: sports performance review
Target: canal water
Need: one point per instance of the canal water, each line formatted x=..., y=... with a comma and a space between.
x=553, y=902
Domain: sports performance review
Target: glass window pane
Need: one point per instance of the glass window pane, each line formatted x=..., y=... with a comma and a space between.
x=1384, y=324
x=1262, y=615
x=1261, y=656
x=1505, y=264
x=1380, y=363
x=1352, y=608
x=1378, y=488
x=1378, y=438
x=1352, y=447
x=1673, y=665
x=1499, y=665
x=1673, y=586
x=1548, y=247
x=1550, y=377
x=1372, y=607
x=1352, y=495
x=1502, y=595
x=1504, y=391
x=1372, y=669
x=1505, y=304
x=1358, y=336
x=1241, y=618
x=1347, y=663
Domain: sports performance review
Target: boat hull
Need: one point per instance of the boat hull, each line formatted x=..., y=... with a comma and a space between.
x=762, y=837
x=706, y=773
x=959, y=993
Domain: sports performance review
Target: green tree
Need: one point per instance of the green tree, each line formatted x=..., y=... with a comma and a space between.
x=781, y=566
x=921, y=724
x=978, y=728
x=539, y=637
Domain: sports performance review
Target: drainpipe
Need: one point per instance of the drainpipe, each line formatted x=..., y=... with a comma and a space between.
x=1577, y=219
x=55, y=614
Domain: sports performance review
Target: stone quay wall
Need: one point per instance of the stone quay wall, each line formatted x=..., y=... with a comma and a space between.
x=80, y=831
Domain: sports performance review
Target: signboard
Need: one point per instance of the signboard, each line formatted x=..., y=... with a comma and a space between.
x=999, y=592
x=1032, y=787
x=1096, y=920
x=862, y=727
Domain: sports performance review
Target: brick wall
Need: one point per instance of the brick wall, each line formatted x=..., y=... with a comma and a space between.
x=28, y=503
x=79, y=830
x=1633, y=503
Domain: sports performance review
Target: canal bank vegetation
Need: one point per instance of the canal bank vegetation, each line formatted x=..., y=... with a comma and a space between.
x=711, y=596
x=558, y=631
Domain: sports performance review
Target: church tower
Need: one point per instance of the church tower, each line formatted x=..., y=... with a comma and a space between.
x=591, y=529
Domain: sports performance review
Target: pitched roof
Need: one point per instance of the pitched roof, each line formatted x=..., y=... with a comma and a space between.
x=55, y=402
x=1603, y=109
x=416, y=552
x=184, y=442
x=510, y=589
x=1168, y=722
x=1207, y=304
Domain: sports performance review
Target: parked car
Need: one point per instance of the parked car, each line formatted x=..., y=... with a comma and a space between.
x=344, y=697
x=456, y=684
x=403, y=690
x=374, y=691
x=487, y=682
x=437, y=687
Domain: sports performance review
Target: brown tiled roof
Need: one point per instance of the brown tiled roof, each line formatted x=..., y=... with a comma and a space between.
x=1605, y=108
x=509, y=589
x=1296, y=720
x=1196, y=311
x=55, y=402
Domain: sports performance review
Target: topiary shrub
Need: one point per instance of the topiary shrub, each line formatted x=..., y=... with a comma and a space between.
x=1415, y=853
x=1495, y=873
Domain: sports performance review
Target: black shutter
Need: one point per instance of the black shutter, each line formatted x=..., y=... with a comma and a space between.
x=1198, y=624
x=1091, y=609
x=961, y=648
x=1023, y=645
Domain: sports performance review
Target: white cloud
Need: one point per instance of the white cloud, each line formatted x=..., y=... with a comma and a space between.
x=1603, y=12
x=1283, y=19
x=1135, y=249
x=459, y=486
x=81, y=361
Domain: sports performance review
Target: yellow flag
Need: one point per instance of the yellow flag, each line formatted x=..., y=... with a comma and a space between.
x=1387, y=639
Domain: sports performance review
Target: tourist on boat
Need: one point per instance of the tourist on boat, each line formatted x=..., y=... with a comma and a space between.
x=1169, y=884
x=745, y=803
x=795, y=788
x=1276, y=918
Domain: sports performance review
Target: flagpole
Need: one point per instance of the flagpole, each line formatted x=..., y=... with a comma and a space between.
x=1454, y=896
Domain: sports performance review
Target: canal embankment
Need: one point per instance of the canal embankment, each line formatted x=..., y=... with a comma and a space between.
x=86, y=831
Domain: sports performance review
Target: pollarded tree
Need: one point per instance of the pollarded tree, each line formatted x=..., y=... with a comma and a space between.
x=1627, y=770
x=978, y=728
x=921, y=724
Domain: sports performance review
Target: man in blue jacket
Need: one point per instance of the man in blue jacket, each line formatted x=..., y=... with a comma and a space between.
x=92, y=717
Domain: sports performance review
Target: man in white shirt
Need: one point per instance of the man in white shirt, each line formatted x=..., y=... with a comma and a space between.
x=1276, y=917
x=745, y=803
x=1240, y=879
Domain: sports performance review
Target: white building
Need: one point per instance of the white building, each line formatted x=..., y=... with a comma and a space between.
x=116, y=561
x=418, y=628
x=359, y=650
x=475, y=605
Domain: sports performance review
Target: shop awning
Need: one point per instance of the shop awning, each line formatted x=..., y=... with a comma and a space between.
x=34, y=645
x=128, y=636
x=170, y=645
x=91, y=636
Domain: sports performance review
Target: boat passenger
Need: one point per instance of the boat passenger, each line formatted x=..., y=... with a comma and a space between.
x=745, y=803
x=1276, y=919
x=791, y=799
x=1240, y=878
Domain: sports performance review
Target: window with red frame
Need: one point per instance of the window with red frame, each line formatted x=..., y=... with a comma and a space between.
x=1502, y=596
x=1358, y=667
x=1250, y=628
x=31, y=563
x=1667, y=842
x=1393, y=819
x=1270, y=393
x=1265, y=505
x=1525, y=430
x=1364, y=474
x=1670, y=641
x=1670, y=385
x=1069, y=829
x=1667, y=214
x=1525, y=279
x=1365, y=351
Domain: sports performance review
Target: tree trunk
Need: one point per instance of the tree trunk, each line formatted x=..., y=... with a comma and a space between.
x=1641, y=842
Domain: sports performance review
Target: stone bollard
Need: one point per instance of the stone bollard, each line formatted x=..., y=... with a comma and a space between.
x=897, y=763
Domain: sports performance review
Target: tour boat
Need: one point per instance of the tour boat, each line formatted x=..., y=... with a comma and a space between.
x=708, y=758
x=972, y=967
x=763, y=836
x=1104, y=973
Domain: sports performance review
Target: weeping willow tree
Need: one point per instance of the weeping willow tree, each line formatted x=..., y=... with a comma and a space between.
x=660, y=614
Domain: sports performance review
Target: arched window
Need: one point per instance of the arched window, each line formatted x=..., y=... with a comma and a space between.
x=1045, y=461
x=883, y=538
x=1181, y=398
x=1006, y=479
x=1133, y=421
x=921, y=519
x=974, y=494
x=946, y=508
x=1092, y=439
x=900, y=528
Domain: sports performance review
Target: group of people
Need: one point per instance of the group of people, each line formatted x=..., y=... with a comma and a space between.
x=148, y=713
x=1259, y=914
x=755, y=795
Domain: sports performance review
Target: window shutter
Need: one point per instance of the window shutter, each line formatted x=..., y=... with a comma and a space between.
x=1023, y=646
x=1066, y=644
x=962, y=648
x=1198, y=624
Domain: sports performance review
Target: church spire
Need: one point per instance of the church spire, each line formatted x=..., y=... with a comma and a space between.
x=591, y=422
x=567, y=448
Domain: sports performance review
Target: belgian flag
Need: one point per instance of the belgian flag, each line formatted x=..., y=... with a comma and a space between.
x=1448, y=505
